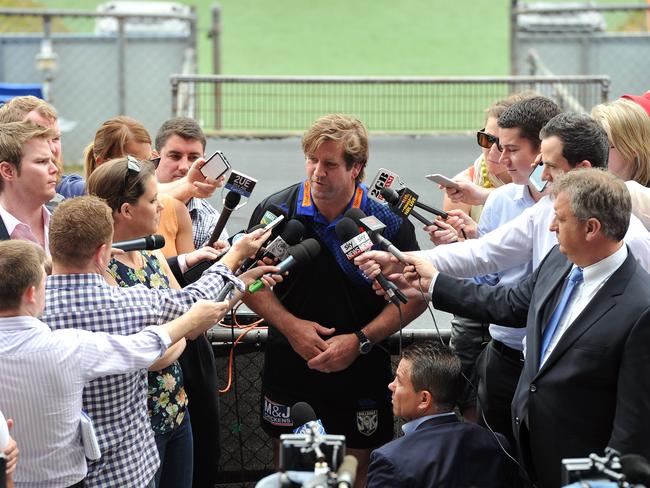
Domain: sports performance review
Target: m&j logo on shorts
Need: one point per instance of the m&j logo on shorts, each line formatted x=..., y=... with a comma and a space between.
x=276, y=413
x=367, y=421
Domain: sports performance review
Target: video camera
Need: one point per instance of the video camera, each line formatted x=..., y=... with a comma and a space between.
x=610, y=471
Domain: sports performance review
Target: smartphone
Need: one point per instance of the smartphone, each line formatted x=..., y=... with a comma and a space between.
x=274, y=222
x=535, y=178
x=443, y=180
x=217, y=165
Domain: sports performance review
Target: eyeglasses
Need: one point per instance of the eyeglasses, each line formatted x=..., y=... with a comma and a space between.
x=487, y=140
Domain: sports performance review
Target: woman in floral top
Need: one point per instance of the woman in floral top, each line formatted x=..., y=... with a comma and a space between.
x=130, y=188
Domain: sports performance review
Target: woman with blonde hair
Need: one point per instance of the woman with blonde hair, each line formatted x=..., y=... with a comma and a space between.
x=628, y=128
x=123, y=135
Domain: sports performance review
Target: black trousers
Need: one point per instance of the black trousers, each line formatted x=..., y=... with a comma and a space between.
x=201, y=386
x=498, y=368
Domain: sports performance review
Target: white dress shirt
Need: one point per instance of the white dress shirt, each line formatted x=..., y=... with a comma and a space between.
x=43, y=375
x=19, y=230
x=594, y=277
x=521, y=240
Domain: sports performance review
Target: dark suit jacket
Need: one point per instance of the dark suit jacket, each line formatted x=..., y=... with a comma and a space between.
x=442, y=452
x=594, y=389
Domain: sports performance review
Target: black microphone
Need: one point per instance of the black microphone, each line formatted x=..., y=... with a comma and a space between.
x=374, y=228
x=278, y=248
x=273, y=212
x=227, y=288
x=403, y=204
x=356, y=243
x=423, y=206
x=304, y=419
x=231, y=202
x=636, y=469
x=147, y=243
x=299, y=254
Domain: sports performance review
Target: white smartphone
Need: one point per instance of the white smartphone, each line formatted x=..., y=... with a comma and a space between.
x=535, y=178
x=274, y=222
x=217, y=165
x=443, y=180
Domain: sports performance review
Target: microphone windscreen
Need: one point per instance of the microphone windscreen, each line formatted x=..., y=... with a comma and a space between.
x=356, y=214
x=390, y=195
x=305, y=251
x=346, y=229
x=232, y=200
x=293, y=232
x=301, y=413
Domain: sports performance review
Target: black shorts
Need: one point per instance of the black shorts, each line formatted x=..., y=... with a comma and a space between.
x=365, y=422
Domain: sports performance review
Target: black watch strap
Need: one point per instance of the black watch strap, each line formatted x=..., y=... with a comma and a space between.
x=364, y=343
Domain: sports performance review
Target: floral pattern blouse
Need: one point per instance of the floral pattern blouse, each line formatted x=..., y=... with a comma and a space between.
x=166, y=398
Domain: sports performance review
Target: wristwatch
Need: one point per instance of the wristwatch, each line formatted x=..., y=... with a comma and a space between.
x=364, y=343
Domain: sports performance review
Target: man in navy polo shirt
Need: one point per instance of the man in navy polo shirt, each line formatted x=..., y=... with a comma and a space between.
x=326, y=323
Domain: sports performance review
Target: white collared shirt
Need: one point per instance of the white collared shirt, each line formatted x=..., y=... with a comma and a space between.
x=410, y=426
x=594, y=277
x=43, y=373
x=521, y=240
x=19, y=230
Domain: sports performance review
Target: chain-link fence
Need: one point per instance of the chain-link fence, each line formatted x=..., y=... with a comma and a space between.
x=583, y=39
x=246, y=450
x=96, y=65
x=287, y=104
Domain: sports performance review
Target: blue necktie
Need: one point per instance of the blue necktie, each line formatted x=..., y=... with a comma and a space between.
x=574, y=278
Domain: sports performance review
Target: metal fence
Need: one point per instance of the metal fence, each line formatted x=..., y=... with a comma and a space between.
x=96, y=65
x=583, y=39
x=246, y=450
x=288, y=104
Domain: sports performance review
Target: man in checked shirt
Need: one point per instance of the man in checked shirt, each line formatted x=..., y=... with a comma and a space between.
x=77, y=296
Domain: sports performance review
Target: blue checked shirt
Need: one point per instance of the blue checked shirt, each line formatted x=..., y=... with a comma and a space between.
x=118, y=404
x=204, y=218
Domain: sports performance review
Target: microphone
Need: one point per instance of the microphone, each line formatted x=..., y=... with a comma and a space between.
x=304, y=419
x=356, y=243
x=374, y=226
x=274, y=212
x=231, y=202
x=636, y=469
x=278, y=247
x=423, y=206
x=347, y=473
x=299, y=254
x=403, y=204
x=147, y=243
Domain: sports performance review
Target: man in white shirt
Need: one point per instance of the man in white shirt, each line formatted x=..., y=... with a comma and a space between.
x=28, y=176
x=586, y=378
x=44, y=372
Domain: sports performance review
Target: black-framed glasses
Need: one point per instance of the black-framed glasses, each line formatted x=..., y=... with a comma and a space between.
x=487, y=140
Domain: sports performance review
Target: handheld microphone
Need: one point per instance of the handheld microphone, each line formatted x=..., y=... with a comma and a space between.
x=374, y=226
x=356, y=243
x=299, y=254
x=278, y=248
x=272, y=213
x=423, y=206
x=384, y=179
x=304, y=419
x=230, y=203
x=347, y=473
x=147, y=243
x=404, y=204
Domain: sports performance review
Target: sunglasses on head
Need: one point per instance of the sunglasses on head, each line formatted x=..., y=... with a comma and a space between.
x=487, y=140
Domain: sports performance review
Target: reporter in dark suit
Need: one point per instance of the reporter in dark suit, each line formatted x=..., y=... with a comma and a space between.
x=586, y=378
x=437, y=449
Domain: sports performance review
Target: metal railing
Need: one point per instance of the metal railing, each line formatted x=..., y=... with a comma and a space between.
x=246, y=450
x=583, y=39
x=289, y=104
